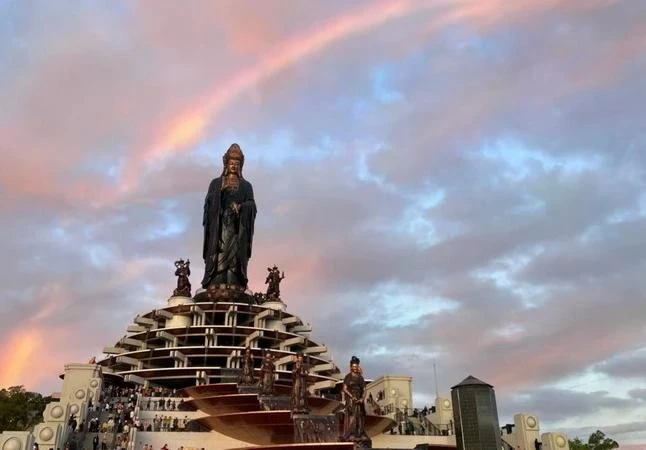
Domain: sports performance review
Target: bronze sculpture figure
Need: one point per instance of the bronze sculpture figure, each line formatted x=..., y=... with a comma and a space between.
x=182, y=272
x=246, y=378
x=299, y=399
x=267, y=373
x=229, y=216
x=273, y=280
x=354, y=389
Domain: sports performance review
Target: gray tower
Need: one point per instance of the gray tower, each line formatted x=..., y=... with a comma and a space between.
x=475, y=415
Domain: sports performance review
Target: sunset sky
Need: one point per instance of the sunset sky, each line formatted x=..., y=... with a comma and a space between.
x=459, y=182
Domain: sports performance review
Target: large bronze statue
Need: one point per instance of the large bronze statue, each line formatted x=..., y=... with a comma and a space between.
x=229, y=215
x=299, y=399
x=354, y=389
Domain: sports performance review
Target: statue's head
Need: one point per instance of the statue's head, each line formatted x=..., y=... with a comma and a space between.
x=233, y=160
x=354, y=365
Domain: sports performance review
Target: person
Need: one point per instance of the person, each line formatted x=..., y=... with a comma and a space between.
x=354, y=390
x=229, y=215
x=247, y=367
x=299, y=398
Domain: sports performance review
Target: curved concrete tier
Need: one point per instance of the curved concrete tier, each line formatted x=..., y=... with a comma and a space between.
x=272, y=427
x=196, y=346
x=212, y=390
x=255, y=427
x=224, y=404
x=209, y=390
x=300, y=446
x=197, y=342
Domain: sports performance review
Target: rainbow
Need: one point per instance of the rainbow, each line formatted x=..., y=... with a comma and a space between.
x=186, y=129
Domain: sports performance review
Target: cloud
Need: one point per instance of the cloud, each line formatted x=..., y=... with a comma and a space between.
x=629, y=364
x=559, y=404
x=639, y=394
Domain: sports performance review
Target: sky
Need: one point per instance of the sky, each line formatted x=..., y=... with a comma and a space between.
x=449, y=182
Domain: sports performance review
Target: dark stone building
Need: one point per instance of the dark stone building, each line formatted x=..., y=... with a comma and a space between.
x=475, y=415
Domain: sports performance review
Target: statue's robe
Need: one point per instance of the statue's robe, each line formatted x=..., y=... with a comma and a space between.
x=227, y=235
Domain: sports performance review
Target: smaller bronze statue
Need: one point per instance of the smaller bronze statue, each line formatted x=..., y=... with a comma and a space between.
x=267, y=373
x=299, y=399
x=246, y=378
x=182, y=272
x=354, y=389
x=274, y=277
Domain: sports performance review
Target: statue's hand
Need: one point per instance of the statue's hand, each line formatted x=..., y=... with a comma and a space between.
x=235, y=207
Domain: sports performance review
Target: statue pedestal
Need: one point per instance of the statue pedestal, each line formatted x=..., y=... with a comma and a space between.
x=177, y=300
x=224, y=293
x=277, y=306
x=248, y=389
x=310, y=428
x=274, y=402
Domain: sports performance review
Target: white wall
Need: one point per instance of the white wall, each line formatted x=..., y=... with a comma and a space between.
x=388, y=440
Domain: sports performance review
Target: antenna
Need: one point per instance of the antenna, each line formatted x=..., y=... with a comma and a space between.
x=435, y=375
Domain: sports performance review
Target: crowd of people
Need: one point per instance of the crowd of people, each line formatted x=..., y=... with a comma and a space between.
x=161, y=404
x=404, y=418
x=165, y=423
x=164, y=447
x=113, y=416
x=140, y=391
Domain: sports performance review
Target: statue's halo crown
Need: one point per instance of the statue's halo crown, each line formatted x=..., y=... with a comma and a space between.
x=235, y=152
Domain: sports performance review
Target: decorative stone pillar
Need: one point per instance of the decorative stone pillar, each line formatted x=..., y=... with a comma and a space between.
x=555, y=441
x=48, y=434
x=526, y=431
x=16, y=440
x=180, y=320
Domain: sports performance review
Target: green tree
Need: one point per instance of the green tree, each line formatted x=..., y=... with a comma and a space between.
x=596, y=441
x=578, y=444
x=20, y=409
